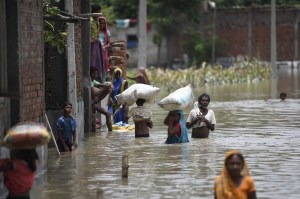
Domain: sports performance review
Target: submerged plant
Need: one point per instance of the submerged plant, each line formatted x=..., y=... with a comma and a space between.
x=243, y=71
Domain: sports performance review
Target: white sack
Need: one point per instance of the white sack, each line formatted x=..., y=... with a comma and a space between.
x=178, y=100
x=128, y=98
x=143, y=91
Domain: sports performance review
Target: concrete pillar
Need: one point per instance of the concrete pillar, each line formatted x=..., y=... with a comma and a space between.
x=142, y=27
x=250, y=33
x=86, y=49
x=273, y=40
x=296, y=36
x=72, y=94
x=78, y=107
x=3, y=63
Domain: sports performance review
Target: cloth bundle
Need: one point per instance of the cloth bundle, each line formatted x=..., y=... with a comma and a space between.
x=136, y=91
x=140, y=113
x=178, y=100
x=26, y=136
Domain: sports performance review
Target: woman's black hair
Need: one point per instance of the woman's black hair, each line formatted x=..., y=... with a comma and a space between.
x=204, y=95
x=96, y=8
x=176, y=112
x=28, y=155
x=238, y=154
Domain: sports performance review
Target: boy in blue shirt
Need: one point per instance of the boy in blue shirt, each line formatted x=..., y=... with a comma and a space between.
x=66, y=127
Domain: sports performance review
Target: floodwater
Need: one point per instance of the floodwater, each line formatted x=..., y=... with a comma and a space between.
x=250, y=117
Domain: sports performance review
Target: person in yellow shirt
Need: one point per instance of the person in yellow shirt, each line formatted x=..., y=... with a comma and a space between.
x=235, y=181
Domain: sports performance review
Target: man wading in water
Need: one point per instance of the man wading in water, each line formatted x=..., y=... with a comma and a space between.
x=142, y=118
x=201, y=119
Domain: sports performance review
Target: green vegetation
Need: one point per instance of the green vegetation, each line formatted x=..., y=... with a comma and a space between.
x=247, y=3
x=54, y=33
x=243, y=71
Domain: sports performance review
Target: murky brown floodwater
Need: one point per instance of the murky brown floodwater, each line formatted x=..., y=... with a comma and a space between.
x=267, y=133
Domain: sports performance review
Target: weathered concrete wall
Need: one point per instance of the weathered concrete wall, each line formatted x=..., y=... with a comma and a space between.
x=79, y=72
x=78, y=50
x=121, y=34
x=4, y=126
x=4, y=116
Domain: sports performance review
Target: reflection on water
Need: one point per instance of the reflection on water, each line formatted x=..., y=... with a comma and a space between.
x=265, y=130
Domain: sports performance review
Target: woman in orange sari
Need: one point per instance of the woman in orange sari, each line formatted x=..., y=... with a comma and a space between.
x=234, y=181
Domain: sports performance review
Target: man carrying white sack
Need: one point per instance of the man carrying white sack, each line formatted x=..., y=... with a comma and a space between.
x=201, y=119
x=142, y=118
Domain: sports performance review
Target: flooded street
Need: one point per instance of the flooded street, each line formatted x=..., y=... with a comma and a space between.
x=250, y=117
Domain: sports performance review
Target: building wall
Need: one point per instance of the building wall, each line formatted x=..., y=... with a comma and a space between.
x=232, y=32
x=31, y=61
x=78, y=49
x=58, y=78
x=121, y=34
x=4, y=126
x=25, y=70
x=31, y=66
x=79, y=71
x=232, y=35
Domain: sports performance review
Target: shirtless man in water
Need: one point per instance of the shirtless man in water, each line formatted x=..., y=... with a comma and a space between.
x=142, y=118
x=201, y=119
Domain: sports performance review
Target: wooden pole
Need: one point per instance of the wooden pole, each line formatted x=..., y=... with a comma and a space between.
x=125, y=166
x=53, y=138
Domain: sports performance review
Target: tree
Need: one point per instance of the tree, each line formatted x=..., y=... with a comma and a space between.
x=55, y=24
x=54, y=35
x=246, y=3
x=168, y=18
x=118, y=9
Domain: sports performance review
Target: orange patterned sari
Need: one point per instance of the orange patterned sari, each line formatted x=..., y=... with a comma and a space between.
x=226, y=189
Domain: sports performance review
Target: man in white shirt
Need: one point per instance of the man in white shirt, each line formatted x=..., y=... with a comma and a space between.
x=201, y=119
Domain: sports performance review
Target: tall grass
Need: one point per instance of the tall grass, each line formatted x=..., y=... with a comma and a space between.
x=242, y=71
